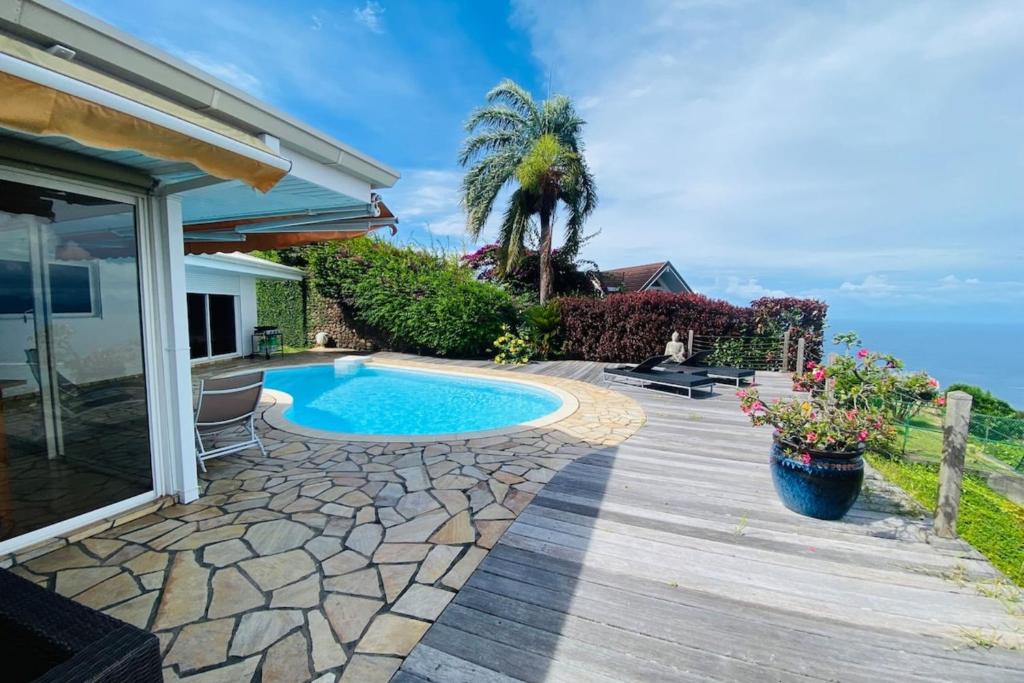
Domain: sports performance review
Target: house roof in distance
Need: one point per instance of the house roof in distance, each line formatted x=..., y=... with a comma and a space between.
x=631, y=278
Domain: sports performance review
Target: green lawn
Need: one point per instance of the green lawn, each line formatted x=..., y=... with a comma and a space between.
x=990, y=522
x=924, y=442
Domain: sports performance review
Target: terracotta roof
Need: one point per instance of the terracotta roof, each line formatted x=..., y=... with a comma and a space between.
x=632, y=278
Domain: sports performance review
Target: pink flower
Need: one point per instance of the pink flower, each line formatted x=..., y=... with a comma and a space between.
x=812, y=436
x=741, y=393
x=862, y=435
x=851, y=414
x=805, y=458
x=811, y=365
x=757, y=406
x=940, y=401
x=863, y=353
x=932, y=382
x=819, y=375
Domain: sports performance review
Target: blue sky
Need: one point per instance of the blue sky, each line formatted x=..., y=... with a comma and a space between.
x=867, y=153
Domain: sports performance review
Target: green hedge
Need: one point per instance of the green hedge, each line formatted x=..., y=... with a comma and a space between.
x=283, y=304
x=419, y=301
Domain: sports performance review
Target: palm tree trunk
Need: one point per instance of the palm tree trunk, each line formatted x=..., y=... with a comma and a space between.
x=546, y=275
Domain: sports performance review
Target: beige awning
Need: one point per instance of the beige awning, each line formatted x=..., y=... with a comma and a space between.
x=41, y=94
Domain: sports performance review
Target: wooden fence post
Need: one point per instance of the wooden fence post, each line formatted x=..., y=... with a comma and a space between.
x=951, y=472
x=785, y=351
x=800, y=344
x=689, y=343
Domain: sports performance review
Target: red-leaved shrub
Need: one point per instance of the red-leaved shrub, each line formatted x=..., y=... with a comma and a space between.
x=632, y=326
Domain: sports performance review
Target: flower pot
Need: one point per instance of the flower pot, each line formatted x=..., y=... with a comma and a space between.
x=824, y=488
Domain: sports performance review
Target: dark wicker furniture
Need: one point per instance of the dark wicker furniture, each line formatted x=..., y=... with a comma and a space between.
x=47, y=637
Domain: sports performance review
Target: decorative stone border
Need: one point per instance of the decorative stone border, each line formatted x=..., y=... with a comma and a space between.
x=281, y=401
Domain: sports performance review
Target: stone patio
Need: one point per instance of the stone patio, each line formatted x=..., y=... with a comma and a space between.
x=326, y=560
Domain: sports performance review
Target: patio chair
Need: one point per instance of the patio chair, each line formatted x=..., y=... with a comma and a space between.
x=695, y=364
x=73, y=397
x=645, y=375
x=228, y=404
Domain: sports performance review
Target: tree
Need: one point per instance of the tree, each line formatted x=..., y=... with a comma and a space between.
x=538, y=148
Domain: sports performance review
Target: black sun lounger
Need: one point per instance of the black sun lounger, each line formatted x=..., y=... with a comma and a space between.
x=692, y=365
x=676, y=380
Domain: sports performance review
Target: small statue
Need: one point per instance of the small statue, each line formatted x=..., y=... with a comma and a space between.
x=676, y=349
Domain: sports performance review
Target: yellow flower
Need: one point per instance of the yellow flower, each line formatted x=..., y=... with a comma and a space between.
x=805, y=406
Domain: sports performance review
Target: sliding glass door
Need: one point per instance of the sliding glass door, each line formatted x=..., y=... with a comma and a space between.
x=74, y=428
x=212, y=327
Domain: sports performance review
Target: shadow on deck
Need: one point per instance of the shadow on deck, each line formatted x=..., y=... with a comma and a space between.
x=669, y=558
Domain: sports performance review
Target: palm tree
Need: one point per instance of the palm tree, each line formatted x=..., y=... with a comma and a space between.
x=513, y=140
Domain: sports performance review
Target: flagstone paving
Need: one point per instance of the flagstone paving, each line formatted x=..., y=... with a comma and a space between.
x=324, y=560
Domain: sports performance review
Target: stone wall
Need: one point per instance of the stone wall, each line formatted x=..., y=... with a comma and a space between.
x=324, y=315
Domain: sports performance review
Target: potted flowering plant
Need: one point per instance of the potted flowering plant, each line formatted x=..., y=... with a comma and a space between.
x=819, y=441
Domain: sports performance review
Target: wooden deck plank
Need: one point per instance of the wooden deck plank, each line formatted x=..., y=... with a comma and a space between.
x=670, y=558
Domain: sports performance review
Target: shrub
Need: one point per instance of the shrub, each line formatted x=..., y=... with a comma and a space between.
x=543, y=324
x=571, y=276
x=633, y=326
x=419, y=301
x=984, y=402
x=511, y=348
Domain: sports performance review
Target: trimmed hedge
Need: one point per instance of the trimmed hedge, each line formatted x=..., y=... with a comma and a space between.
x=283, y=304
x=417, y=300
x=632, y=326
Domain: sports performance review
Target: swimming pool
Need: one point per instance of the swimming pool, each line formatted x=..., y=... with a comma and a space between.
x=380, y=401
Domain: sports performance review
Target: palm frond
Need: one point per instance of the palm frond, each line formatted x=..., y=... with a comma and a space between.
x=486, y=142
x=513, y=230
x=499, y=117
x=481, y=185
x=515, y=96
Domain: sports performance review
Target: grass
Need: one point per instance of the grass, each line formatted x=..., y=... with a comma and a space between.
x=990, y=522
x=924, y=441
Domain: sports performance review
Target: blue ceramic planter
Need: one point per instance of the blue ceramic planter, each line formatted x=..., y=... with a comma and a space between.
x=825, y=488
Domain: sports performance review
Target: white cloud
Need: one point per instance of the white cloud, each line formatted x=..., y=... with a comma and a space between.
x=369, y=15
x=801, y=142
x=871, y=285
x=750, y=289
x=230, y=73
x=429, y=199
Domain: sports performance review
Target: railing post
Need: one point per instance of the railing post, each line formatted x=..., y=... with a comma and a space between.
x=951, y=472
x=785, y=352
x=689, y=343
x=800, y=344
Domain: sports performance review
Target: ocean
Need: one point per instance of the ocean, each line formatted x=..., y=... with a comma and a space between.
x=988, y=355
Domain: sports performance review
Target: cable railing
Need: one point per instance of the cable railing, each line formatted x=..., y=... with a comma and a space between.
x=757, y=353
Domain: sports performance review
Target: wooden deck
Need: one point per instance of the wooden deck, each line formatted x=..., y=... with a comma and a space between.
x=669, y=558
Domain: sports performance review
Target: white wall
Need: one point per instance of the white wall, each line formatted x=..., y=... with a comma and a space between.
x=207, y=281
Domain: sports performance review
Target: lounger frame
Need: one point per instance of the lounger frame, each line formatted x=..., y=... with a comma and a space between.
x=648, y=382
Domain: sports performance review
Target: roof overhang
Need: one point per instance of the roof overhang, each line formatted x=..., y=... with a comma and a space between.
x=242, y=264
x=279, y=232
x=46, y=96
x=97, y=44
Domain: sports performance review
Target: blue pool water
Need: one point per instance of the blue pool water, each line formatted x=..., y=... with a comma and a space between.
x=373, y=400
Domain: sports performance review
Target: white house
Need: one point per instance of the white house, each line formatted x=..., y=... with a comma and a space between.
x=221, y=301
x=117, y=160
x=650, y=277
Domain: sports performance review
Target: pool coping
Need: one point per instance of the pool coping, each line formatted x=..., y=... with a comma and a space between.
x=275, y=417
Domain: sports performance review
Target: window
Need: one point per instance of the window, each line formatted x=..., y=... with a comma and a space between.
x=73, y=288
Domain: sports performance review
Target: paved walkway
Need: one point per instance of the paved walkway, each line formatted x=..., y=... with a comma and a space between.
x=325, y=560
x=668, y=557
